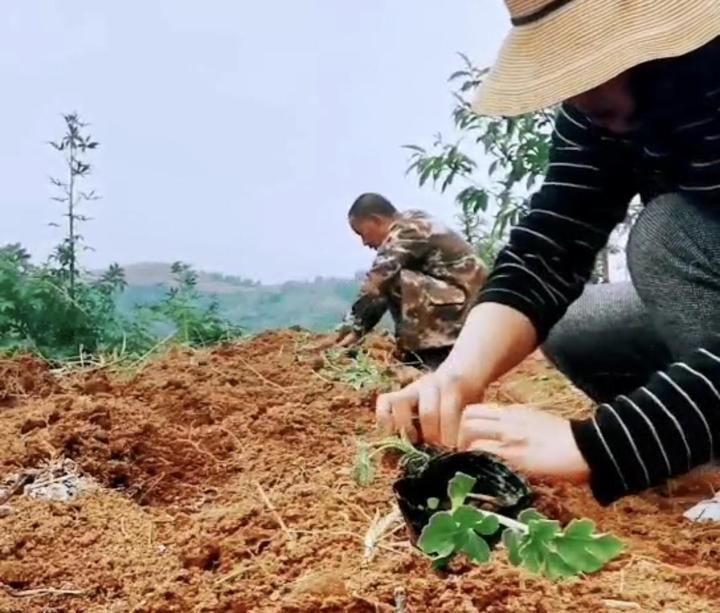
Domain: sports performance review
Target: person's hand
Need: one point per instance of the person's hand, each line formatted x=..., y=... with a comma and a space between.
x=342, y=340
x=348, y=340
x=434, y=402
x=325, y=344
x=530, y=440
x=494, y=339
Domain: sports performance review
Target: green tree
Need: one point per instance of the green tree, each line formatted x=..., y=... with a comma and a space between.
x=517, y=150
x=38, y=315
x=74, y=146
x=60, y=311
x=194, y=320
x=490, y=196
x=54, y=309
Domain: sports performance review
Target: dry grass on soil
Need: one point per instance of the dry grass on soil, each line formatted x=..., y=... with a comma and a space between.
x=225, y=486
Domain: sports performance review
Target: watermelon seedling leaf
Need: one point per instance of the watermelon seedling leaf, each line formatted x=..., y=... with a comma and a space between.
x=511, y=540
x=459, y=487
x=533, y=541
x=437, y=538
x=475, y=548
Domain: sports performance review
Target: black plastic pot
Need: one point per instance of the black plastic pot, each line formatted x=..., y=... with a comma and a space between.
x=425, y=480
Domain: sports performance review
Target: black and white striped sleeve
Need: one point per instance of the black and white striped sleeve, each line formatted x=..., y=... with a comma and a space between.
x=551, y=252
x=661, y=430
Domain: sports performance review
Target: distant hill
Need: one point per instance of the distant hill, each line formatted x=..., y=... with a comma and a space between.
x=317, y=305
x=144, y=274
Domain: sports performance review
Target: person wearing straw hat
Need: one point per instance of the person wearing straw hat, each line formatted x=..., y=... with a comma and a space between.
x=637, y=88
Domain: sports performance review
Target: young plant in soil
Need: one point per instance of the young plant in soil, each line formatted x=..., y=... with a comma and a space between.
x=410, y=456
x=532, y=541
x=356, y=369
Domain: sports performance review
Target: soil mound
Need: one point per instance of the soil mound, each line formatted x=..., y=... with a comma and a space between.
x=23, y=378
x=225, y=485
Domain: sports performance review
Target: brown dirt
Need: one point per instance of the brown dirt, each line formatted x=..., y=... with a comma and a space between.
x=189, y=450
x=23, y=377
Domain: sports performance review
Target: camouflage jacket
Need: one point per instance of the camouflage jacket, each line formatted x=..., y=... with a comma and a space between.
x=427, y=275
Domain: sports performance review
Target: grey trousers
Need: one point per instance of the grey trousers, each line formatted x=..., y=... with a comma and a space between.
x=616, y=335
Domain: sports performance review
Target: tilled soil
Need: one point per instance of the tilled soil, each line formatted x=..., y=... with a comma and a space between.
x=226, y=486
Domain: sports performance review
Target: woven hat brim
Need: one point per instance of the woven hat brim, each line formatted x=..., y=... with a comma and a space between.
x=586, y=43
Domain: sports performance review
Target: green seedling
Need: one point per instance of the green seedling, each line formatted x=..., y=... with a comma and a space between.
x=532, y=541
x=364, y=468
x=360, y=372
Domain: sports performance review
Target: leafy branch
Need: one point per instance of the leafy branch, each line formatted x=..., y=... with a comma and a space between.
x=491, y=197
x=532, y=541
x=517, y=147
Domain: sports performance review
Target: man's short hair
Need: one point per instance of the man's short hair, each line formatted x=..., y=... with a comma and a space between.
x=371, y=205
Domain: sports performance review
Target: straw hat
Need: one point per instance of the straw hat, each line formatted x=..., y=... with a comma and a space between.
x=560, y=48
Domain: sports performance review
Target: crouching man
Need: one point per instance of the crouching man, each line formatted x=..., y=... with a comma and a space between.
x=425, y=274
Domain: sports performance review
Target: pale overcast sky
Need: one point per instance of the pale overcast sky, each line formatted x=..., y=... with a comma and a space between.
x=234, y=134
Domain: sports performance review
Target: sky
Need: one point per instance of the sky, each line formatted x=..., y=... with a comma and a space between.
x=233, y=134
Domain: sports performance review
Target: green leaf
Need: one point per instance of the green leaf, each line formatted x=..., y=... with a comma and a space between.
x=531, y=556
x=583, y=550
x=438, y=536
x=511, y=540
x=433, y=503
x=363, y=470
x=543, y=529
x=529, y=514
x=578, y=557
x=459, y=487
x=467, y=517
x=481, y=202
x=470, y=518
x=605, y=547
x=580, y=529
x=547, y=550
x=556, y=568
x=490, y=525
x=475, y=548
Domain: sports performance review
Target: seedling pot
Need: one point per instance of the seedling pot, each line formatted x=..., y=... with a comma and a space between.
x=498, y=488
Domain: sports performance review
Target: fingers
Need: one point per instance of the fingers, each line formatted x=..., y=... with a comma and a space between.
x=429, y=412
x=383, y=414
x=510, y=454
x=451, y=406
x=403, y=410
x=494, y=447
x=485, y=411
x=473, y=431
x=438, y=403
x=346, y=341
x=395, y=411
x=481, y=422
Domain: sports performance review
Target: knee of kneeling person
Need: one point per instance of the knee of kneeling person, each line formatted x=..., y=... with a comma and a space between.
x=661, y=237
x=558, y=346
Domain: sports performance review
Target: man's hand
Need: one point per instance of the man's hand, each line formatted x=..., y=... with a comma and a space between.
x=348, y=340
x=342, y=340
x=530, y=440
x=435, y=400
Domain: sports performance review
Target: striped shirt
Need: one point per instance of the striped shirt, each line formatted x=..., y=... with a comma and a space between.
x=672, y=424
